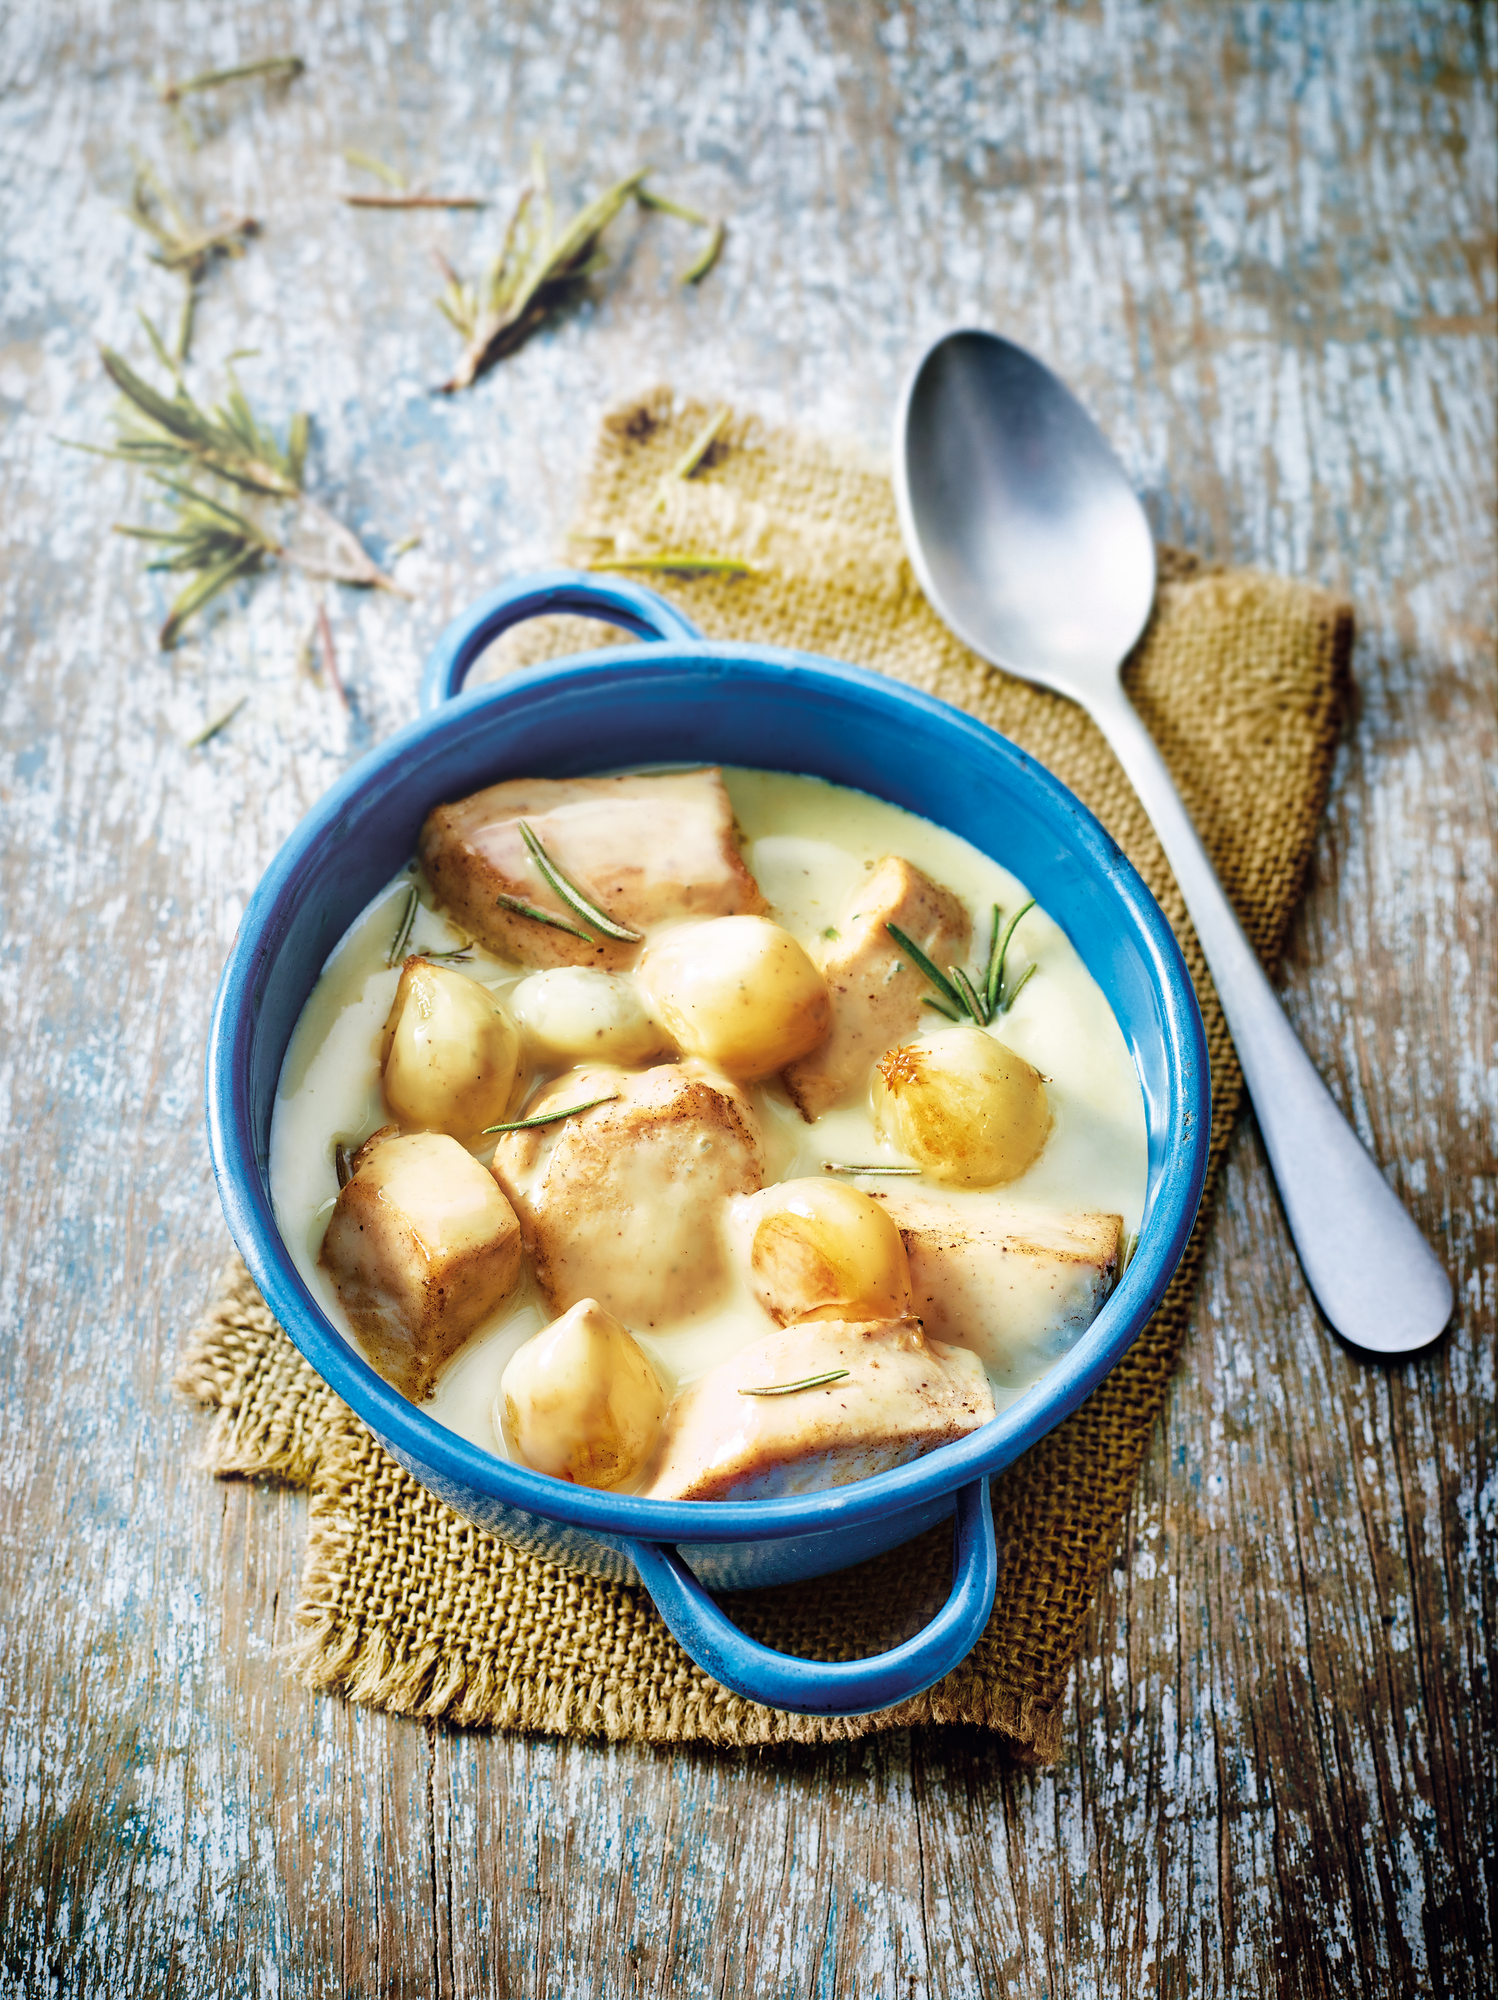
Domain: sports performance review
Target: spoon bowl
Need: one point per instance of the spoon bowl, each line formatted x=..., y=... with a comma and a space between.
x=1030, y=542
x=1021, y=523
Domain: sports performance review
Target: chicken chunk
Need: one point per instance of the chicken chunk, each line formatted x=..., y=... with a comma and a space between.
x=1015, y=1285
x=644, y=849
x=902, y=1395
x=628, y=1205
x=420, y=1246
x=876, y=991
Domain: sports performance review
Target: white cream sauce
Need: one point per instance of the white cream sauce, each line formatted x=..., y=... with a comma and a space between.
x=808, y=844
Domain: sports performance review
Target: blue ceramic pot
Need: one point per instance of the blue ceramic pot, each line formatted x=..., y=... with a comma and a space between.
x=682, y=698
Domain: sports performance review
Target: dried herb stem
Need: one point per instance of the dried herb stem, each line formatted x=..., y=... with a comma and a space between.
x=287, y=67
x=575, y=898
x=855, y=1167
x=551, y=1117
x=416, y=198
x=807, y=1382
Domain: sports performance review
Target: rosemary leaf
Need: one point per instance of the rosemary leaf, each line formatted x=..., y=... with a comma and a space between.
x=937, y=1008
x=397, y=952
x=807, y=1382
x=971, y=1003
x=679, y=565
x=551, y=1117
x=211, y=729
x=918, y=958
x=663, y=206
x=414, y=199
x=700, y=265
x=381, y=169
x=691, y=459
x=519, y=909
x=341, y=1165
x=1126, y=1254
x=997, y=952
x=204, y=587
x=288, y=67
x=852, y=1167
x=571, y=895
x=1024, y=978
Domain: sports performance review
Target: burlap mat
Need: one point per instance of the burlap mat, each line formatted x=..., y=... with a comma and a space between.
x=405, y=1606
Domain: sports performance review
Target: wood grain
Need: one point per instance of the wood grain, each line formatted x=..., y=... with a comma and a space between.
x=1260, y=240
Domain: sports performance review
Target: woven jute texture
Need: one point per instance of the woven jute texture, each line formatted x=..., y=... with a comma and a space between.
x=404, y=1605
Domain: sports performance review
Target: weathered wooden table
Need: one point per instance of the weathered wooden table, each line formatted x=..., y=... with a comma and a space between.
x=1260, y=240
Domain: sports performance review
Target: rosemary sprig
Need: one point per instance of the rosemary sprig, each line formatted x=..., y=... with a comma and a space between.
x=958, y=998
x=537, y=269
x=211, y=729
x=807, y=1382
x=571, y=895
x=853, y=1167
x=397, y=952
x=993, y=984
x=551, y=1117
x=171, y=434
x=287, y=67
x=520, y=909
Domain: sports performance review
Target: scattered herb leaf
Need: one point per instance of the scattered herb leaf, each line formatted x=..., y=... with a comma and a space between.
x=551, y=1117
x=993, y=984
x=520, y=909
x=852, y=1167
x=211, y=729
x=683, y=564
x=947, y=991
x=700, y=265
x=286, y=68
x=807, y=1382
x=402, y=938
x=341, y=1165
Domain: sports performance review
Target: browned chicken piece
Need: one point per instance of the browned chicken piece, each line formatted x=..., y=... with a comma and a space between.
x=420, y=1246
x=902, y=1395
x=628, y=1205
x=1013, y=1284
x=876, y=991
x=643, y=849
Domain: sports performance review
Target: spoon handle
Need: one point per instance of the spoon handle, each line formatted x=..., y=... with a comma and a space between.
x=1374, y=1275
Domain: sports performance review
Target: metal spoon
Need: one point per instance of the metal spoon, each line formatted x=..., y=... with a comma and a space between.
x=1030, y=543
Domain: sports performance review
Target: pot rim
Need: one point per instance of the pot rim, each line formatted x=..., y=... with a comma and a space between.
x=1171, y=1200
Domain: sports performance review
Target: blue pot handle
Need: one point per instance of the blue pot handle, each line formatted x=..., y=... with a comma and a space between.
x=616, y=600
x=836, y=1687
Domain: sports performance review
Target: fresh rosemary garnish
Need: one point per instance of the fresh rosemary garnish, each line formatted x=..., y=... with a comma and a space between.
x=852, y=1167
x=211, y=729
x=281, y=67
x=807, y=1382
x=998, y=948
x=551, y=1117
x=180, y=247
x=957, y=998
x=340, y=1164
x=397, y=952
x=213, y=542
x=571, y=895
x=520, y=909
